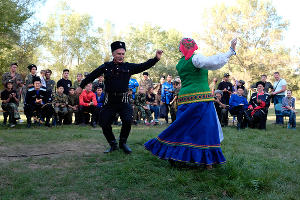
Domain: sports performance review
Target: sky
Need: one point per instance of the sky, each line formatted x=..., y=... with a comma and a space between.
x=184, y=16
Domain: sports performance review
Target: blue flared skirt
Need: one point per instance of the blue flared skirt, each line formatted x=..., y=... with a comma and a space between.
x=194, y=136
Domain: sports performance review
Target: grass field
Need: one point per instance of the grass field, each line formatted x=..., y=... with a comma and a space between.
x=68, y=163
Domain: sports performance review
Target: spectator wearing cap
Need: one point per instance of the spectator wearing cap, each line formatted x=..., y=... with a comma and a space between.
x=50, y=84
x=28, y=80
x=133, y=84
x=288, y=109
x=241, y=84
x=256, y=115
x=13, y=77
x=226, y=87
x=78, y=80
x=221, y=108
x=237, y=106
x=277, y=95
x=73, y=106
x=268, y=85
x=146, y=82
x=99, y=82
x=65, y=82
x=10, y=103
x=38, y=103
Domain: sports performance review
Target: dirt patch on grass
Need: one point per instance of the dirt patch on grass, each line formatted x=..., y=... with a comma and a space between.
x=17, y=152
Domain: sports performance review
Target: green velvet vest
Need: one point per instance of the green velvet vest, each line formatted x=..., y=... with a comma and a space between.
x=194, y=83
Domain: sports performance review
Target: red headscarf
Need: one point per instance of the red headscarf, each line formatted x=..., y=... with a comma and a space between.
x=187, y=46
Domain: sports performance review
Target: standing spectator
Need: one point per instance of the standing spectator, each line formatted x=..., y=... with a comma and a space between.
x=87, y=104
x=146, y=82
x=174, y=102
x=277, y=95
x=73, y=106
x=237, y=106
x=221, y=108
x=29, y=78
x=288, y=109
x=167, y=96
x=234, y=83
x=99, y=83
x=142, y=107
x=60, y=104
x=226, y=87
x=259, y=103
x=241, y=84
x=153, y=105
x=13, y=77
x=65, y=82
x=133, y=84
x=268, y=85
x=100, y=97
x=213, y=85
x=50, y=84
x=38, y=103
x=43, y=78
x=10, y=103
x=78, y=80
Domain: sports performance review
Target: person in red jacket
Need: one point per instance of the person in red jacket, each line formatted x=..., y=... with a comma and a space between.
x=87, y=104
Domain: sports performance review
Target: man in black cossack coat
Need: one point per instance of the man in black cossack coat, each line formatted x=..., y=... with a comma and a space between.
x=38, y=103
x=116, y=79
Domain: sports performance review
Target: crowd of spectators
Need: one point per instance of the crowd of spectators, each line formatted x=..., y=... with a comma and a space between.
x=44, y=99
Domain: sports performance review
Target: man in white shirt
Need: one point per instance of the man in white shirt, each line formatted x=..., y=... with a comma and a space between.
x=278, y=94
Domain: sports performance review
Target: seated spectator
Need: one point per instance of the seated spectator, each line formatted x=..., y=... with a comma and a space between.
x=100, y=97
x=221, y=108
x=38, y=103
x=87, y=104
x=10, y=103
x=73, y=106
x=288, y=109
x=151, y=100
x=237, y=106
x=174, y=102
x=60, y=104
x=213, y=85
x=142, y=107
x=256, y=115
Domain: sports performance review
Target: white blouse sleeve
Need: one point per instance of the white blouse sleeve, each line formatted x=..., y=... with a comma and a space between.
x=212, y=62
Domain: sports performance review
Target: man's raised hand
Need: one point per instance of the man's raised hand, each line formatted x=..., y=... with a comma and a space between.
x=233, y=43
x=158, y=54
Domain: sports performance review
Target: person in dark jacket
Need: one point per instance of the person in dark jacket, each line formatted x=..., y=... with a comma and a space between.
x=117, y=74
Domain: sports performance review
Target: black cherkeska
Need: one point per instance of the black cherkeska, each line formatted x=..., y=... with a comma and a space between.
x=116, y=80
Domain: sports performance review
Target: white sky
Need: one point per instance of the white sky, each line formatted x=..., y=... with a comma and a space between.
x=185, y=16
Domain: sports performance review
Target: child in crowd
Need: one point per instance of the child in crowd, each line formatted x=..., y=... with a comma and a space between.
x=142, y=107
x=60, y=103
x=73, y=106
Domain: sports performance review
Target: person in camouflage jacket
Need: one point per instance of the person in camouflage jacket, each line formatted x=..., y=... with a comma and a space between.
x=60, y=103
x=142, y=107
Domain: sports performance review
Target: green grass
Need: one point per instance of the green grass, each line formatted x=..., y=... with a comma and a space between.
x=260, y=165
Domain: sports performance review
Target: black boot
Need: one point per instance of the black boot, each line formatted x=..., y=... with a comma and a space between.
x=124, y=146
x=113, y=147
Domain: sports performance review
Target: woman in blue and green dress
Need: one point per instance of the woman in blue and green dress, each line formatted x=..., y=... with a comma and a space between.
x=196, y=134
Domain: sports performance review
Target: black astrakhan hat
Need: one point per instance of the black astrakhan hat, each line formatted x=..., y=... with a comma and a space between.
x=31, y=66
x=117, y=45
x=36, y=78
x=260, y=83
